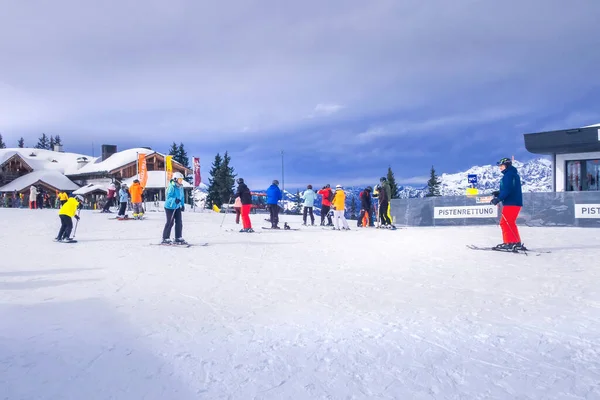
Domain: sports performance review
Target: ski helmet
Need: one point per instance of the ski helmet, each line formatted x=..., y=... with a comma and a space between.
x=382, y=179
x=136, y=181
x=79, y=198
x=369, y=189
x=177, y=175
x=240, y=180
x=338, y=187
x=328, y=185
x=275, y=182
x=309, y=187
x=504, y=161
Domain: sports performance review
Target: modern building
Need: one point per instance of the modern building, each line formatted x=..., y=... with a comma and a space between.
x=575, y=156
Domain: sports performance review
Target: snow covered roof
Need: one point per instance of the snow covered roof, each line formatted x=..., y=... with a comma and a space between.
x=39, y=159
x=113, y=162
x=156, y=180
x=592, y=126
x=92, y=187
x=51, y=178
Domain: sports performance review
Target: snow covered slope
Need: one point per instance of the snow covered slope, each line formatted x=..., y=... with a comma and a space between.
x=266, y=316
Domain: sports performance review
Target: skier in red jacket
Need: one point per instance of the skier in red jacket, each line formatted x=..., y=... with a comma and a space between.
x=327, y=195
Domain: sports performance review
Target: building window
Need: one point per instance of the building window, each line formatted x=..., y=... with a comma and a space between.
x=583, y=175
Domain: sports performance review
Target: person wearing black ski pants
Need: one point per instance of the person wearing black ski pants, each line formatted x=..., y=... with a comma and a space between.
x=274, y=213
x=173, y=217
x=383, y=206
x=66, y=226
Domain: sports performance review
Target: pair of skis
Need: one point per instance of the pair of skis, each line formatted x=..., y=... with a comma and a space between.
x=514, y=251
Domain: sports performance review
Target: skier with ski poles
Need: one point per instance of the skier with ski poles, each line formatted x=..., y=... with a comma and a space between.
x=511, y=197
x=174, y=206
x=274, y=195
x=66, y=213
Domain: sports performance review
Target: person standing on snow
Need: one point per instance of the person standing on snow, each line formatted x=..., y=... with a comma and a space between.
x=309, y=196
x=327, y=195
x=123, y=200
x=237, y=206
x=511, y=197
x=365, y=207
x=174, y=206
x=63, y=197
x=32, y=197
x=66, y=213
x=339, y=208
x=136, y=199
x=245, y=196
x=110, y=197
x=274, y=195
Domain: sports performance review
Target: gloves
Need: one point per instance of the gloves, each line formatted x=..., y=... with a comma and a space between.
x=495, y=201
x=177, y=201
x=496, y=193
x=77, y=217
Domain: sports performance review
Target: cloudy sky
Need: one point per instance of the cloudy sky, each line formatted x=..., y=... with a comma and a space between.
x=344, y=87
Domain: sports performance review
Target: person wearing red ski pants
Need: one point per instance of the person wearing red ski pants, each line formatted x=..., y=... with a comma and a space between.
x=508, y=223
x=246, y=216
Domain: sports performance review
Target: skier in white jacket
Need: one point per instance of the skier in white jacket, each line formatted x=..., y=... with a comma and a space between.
x=33, y=197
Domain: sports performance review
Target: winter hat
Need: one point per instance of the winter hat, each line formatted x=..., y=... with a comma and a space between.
x=240, y=180
x=275, y=182
x=309, y=187
x=369, y=189
x=382, y=179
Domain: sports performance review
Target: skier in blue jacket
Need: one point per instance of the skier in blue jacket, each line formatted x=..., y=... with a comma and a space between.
x=274, y=195
x=174, y=206
x=511, y=197
x=309, y=196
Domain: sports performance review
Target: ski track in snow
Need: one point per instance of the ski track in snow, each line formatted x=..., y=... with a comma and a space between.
x=309, y=314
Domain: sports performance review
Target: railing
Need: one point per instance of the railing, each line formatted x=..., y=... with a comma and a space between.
x=539, y=209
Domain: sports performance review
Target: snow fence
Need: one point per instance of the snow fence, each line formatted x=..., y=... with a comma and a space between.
x=539, y=209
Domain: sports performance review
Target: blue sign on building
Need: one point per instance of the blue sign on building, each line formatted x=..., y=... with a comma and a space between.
x=472, y=178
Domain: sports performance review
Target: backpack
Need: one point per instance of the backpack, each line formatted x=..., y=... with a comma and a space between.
x=330, y=196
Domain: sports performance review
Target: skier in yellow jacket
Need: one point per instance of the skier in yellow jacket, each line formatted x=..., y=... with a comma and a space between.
x=339, y=207
x=66, y=212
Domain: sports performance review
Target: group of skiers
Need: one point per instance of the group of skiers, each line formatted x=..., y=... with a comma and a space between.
x=510, y=195
x=133, y=194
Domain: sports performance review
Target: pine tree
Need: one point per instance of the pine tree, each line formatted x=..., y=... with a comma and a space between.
x=392, y=182
x=174, y=151
x=21, y=143
x=433, y=184
x=52, y=143
x=182, y=156
x=2, y=144
x=213, y=197
x=43, y=142
x=57, y=140
x=227, y=179
x=297, y=203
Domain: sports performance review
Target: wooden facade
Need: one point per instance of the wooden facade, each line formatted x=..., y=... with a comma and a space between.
x=13, y=168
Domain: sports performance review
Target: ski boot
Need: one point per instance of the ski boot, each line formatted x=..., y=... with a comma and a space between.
x=180, y=241
x=166, y=242
x=286, y=226
x=243, y=230
x=250, y=230
x=504, y=247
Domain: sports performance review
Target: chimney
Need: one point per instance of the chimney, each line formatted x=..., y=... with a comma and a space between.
x=108, y=150
x=81, y=162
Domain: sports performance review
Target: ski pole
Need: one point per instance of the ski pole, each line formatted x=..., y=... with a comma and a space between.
x=76, y=223
x=225, y=213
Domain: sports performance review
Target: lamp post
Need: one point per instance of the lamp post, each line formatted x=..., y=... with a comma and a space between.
x=282, y=175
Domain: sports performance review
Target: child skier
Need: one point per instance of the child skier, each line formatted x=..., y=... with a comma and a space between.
x=339, y=207
x=511, y=197
x=309, y=196
x=123, y=199
x=237, y=206
x=66, y=213
x=245, y=196
x=136, y=199
x=174, y=206
x=365, y=207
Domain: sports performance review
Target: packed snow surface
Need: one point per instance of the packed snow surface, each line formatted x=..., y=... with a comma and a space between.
x=308, y=314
